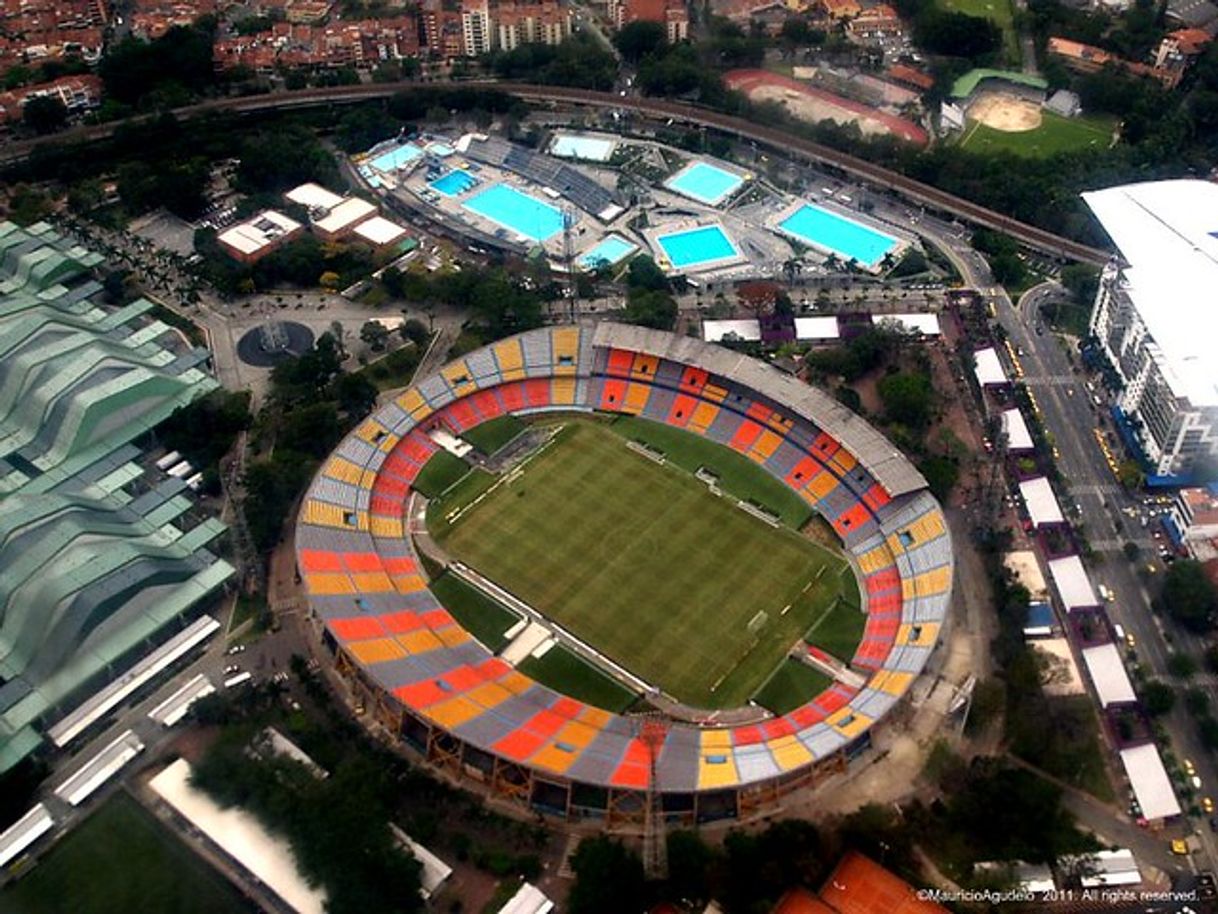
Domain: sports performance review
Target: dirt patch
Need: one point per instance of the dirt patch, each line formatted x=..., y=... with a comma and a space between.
x=1005, y=112
x=810, y=108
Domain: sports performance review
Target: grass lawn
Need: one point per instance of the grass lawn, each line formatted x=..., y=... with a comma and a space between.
x=645, y=564
x=566, y=672
x=1055, y=134
x=440, y=473
x=459, y=495
x=478, y=614
x=118, y=861
x=793, y=684
x=489, y=437
x=738, y=475
x=838, y=627
x=997, y=11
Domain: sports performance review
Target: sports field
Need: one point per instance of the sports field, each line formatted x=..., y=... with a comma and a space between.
x=1056, y=134
x=643, y=563
x=118, y=861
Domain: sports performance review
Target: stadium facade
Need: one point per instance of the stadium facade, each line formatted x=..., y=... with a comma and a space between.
x=429, y=683
x=1155, y=320
x=101, y=556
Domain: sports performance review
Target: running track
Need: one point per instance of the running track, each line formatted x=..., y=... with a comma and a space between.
x=781, y=141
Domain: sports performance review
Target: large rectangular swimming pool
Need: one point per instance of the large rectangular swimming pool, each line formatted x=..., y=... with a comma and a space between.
x=705, y=183
x=699, y=246
x=827, y=231
x=590, y=148
x=516, y=211
x=610, y=251
x=396, y=157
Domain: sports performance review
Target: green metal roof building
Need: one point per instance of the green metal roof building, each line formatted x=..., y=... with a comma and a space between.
x=101, y=556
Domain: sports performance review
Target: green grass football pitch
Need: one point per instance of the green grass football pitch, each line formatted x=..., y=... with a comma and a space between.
x=643, y=563
x=121, y=860
x=1056, y=134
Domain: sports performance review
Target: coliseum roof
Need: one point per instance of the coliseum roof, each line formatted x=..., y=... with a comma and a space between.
x=1167, y=233
x=887, y=464
x=89, y=573
x=365, y=584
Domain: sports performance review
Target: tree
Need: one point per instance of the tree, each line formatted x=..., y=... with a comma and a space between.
x=907, y=397
x=44, y=114
x=657, y=310
x=1181, y=665
x=1189, y=596
x=1158, y=697
x=955, y=34
x=374, y=335
x=608, y=878
x=640, y=39
x=1197, y=701
x=1130, y=475
x=689, y=860
x=644, y=274
x=415, y=331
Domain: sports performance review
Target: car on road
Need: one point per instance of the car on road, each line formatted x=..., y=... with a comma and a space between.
x=1207, y=804
x=1189, y=768
x=1179, y=847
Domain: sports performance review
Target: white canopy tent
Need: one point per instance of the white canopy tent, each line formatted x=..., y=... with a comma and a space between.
x=1072, y=583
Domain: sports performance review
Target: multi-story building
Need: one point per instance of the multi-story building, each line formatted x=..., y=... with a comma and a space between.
x=476, y=27
x=1154, y=317
x=1193, y=521
x=530, y=23
x=672, y=14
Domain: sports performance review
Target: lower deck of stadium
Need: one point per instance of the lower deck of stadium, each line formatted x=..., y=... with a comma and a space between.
x=436, y=687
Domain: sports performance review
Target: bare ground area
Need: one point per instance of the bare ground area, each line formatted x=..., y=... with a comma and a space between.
x=1006, y=112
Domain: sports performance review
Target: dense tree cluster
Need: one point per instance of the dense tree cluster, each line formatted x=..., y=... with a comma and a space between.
x=204, y=431
x=338, y=827
x=1189, y=596
x=579, y=61
x=165, y=72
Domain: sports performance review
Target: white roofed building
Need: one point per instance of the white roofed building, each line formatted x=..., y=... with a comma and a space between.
x=1040, y=502
x=1072, y=583
x=1019, y=437
x=1150, y=783
x=257, y=236
x=988, y=368
x=1155, y=315
x=748, y=329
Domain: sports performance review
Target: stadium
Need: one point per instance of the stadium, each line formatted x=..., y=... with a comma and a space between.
x=641, y=454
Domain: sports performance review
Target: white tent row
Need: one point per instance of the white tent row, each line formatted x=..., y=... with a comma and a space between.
x=1150, y=783
x=23, y=833
x=817, y=328
x=1019, y=438
x=1040, y=501
x=988, y=369
x=715, y=331
x=925, y=323
x=1108, y=674
x=1072, y=583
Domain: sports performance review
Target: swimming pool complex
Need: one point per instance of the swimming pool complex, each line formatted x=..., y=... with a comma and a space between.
x=827, y=231
x=613, y=249
x=516, y=211
x=698, y=247
x=397, y=157
x=454, y=182
x=589, y=148
x=705, y=183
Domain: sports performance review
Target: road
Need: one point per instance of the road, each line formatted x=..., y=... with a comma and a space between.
x=789, y=145
x=1071, y=416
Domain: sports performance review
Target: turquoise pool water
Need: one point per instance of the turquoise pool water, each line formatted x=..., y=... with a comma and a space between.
x=396, y=158
x=454, y=183
x=519, y=212
x=845, y=237
x=610, y=251
x=697, y=246
x=594, y=149
x=705, y=183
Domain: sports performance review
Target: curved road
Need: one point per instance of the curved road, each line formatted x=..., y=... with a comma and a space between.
x=781, y=141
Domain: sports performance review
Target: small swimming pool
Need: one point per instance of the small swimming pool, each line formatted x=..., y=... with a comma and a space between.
x=589, y=148
x=517, y=211
x=396, y=157
x=698, y=246
x=827, y=231
x=613, y=249
x=705, y=183
x=454, y=183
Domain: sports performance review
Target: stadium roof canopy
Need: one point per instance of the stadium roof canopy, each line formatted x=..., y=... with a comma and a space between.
x=881, y=458
x=1041, y=503
x=92, y=571
x=964, y=86
x=1019, y=438
x=1107, y=671
x=1150, y=783
x=1073, y=584
x=1167, y=233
